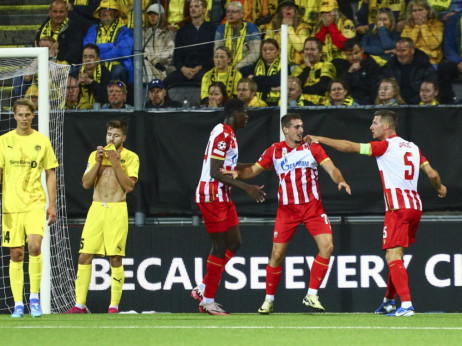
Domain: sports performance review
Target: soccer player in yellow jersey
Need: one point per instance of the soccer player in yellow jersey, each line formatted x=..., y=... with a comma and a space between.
x=113, y=172
x=24, y=154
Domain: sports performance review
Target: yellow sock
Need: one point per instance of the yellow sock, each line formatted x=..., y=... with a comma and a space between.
x=82, y=282
x=17, y=279
x=35, y=273
x=117, y=281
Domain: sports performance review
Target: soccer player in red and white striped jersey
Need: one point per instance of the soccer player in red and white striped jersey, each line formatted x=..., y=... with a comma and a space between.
x=296, y=164
x=398, y=161
x=214, y=201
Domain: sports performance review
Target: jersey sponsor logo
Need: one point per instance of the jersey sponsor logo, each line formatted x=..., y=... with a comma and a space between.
x=38, y=147
x=404, y=145
x=286, y=165
x=221, y=145
x=32, y=164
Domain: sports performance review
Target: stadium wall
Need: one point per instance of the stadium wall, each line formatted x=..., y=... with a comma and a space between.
x=163, y=264
x=171, y=147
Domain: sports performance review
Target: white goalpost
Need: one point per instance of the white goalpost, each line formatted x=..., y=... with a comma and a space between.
x=28, y=72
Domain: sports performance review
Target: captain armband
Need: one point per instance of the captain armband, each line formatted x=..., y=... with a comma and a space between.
x=365, y=149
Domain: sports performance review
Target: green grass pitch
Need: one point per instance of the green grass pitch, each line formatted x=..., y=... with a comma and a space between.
x=236, y=329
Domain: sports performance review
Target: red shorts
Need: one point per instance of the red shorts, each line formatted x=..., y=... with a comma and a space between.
x=399, y=227
x=218, y=216
x=288, y=217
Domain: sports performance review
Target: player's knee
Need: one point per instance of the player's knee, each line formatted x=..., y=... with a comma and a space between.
x=85, y=259
x=236, y=244
x=34, y=249
x=17, y=255
x=326, y=251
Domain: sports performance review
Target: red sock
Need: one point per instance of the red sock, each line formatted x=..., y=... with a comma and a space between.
x=318, y=272
x=228, y=256
x=400, y=279
x=273, y=275
x=391, y=290
x=212, y=278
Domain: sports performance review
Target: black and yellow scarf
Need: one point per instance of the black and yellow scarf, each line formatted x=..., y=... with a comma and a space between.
x=109, y=35
x=230, y=79
x=235, y=44
x=85, y=95
x=47, y=29
x=262, y=70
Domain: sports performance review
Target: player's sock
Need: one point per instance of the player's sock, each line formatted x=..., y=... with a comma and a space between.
x=214, y=269
x=273, y=275
x=270, y=297
x=117, y=281
x=81, y=283
x=318, y=272
x=34, y=296
x=202, y=285
x=391, y=290
x=400, y=279
x=17, y=279
x=228, y=256
x=35, y=272
x=406, y=305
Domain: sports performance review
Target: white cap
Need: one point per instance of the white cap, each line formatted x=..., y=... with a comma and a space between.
x=155, y=8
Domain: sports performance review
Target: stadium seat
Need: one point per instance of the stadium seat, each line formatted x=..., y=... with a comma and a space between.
x=191, y=91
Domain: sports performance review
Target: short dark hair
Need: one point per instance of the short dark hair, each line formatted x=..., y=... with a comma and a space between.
x=118, y=124
x=389, y=117
x=315, y=40
x=232, y=106
x=286, y=119
x=351, y=43
x=94, y=47
x=270, y=41
x=407, y=40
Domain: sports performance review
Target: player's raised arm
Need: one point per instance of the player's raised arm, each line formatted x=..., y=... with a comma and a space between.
x=336, y=176
x=90, y=175
x=337, y=144
x=254, y=191
x=435, y=179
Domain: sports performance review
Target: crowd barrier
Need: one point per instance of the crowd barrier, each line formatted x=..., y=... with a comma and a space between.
x=171, y=146
x=163, y=264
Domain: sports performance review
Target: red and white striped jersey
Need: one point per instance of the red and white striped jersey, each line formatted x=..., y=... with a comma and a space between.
x=399, y=163
x=297, y=171
x=222, y=145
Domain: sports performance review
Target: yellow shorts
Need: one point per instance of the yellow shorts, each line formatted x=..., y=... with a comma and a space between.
x=17, y=226
x=105, y=231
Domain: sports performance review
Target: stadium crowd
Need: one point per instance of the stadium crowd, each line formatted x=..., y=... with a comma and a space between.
x=407, y=45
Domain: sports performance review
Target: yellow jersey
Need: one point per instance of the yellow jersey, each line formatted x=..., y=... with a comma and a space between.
x=22, y=159
x=128, y=160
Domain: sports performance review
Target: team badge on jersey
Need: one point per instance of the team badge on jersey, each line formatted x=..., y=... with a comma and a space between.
x=221, y=145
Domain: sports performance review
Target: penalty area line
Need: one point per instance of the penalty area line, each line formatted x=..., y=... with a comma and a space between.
x=231, y=327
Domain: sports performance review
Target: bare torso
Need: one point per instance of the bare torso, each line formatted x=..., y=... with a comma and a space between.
x=107, y=187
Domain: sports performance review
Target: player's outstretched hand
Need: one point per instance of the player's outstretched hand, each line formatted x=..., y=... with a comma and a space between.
x=344, y=185
x=310, y=139
x=51, y=215
x=233, y=174
x=256, y=192
x=442, y=191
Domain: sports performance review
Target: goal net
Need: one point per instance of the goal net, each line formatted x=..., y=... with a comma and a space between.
x=26, y=72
